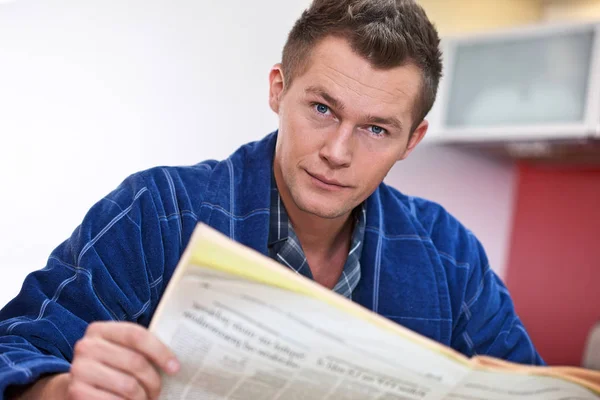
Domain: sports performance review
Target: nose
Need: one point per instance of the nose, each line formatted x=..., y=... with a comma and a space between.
x=337, y=148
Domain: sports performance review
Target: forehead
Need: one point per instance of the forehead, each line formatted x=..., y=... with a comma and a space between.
x=334, y=66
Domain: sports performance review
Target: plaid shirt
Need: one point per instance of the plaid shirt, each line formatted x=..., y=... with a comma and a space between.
x=285, y=248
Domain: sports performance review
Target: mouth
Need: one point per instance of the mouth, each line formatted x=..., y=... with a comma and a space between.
x=327, y=183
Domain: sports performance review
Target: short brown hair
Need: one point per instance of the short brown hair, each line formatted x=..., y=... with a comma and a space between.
x=388, y=33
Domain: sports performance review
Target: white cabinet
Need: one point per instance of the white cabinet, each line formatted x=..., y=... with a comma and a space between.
x=521, y=87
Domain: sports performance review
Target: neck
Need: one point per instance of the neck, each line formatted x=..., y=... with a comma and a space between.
x=318, y=235
x=321, y=236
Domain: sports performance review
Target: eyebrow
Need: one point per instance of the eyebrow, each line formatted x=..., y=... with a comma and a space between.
x=395, y=122
x=321, y=92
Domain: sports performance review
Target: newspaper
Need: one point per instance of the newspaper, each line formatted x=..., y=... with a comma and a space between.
x=243, y=338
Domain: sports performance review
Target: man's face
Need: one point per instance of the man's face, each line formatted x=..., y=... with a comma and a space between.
x=342, y=126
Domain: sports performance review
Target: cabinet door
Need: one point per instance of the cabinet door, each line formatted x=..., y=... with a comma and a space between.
x=528, y=84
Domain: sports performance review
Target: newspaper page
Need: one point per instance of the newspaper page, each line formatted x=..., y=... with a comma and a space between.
x=245, y=328
x=238, y=339
x=495, y=385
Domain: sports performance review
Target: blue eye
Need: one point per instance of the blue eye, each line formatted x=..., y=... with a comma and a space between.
x=377, y=130
x=322, y=108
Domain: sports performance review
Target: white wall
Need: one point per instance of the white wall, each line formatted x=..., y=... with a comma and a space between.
x=93, y=90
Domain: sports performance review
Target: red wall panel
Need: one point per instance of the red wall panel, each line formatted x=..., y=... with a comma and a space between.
x=554, y=262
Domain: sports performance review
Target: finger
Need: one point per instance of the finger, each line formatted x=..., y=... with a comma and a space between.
x=118, y=357
x=83, y=391
x=106, y=379
x=137, y=338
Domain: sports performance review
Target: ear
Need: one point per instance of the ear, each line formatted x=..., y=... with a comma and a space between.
x=276, y=86
x=415, y=138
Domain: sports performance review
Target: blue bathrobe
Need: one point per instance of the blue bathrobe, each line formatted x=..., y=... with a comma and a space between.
x=419, y=266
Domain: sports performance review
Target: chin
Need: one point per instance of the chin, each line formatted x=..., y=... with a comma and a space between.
x=322, y=208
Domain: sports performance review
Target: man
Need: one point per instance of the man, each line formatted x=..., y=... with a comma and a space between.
x=356, y=81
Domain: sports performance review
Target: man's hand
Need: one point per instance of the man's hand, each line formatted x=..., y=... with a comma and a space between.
x=114, y=360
